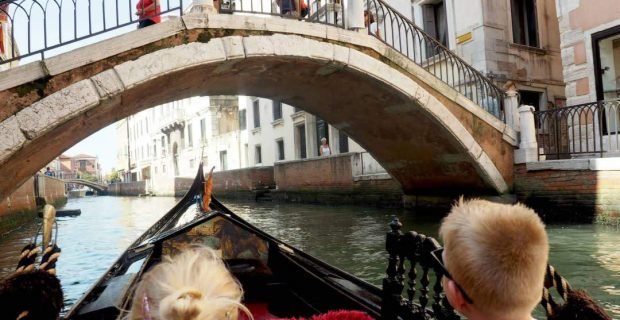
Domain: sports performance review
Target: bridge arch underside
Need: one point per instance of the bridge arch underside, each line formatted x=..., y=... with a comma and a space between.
x=403, y=125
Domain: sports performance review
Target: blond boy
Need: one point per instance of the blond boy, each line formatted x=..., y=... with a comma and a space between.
x=496, y=257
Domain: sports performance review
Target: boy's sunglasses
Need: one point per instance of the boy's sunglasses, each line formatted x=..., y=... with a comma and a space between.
x=438, y=257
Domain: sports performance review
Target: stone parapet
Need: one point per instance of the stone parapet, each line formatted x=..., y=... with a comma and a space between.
x=127, y=188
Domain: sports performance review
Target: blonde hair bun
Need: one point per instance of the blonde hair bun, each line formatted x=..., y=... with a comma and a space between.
x=193, y=285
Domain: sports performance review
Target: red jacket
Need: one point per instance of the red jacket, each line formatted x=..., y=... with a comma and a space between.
x=152, y=14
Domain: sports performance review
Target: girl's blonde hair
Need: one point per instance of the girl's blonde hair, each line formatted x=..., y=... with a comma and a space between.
x=193, y=285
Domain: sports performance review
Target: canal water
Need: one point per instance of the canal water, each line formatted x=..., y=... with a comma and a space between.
x=351, y=238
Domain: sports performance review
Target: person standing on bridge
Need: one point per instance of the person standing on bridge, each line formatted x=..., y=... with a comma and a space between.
x=48, y=172
x=148, y=11
x=325, y=150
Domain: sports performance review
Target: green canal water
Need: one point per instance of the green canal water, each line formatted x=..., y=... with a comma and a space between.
x=349, y=237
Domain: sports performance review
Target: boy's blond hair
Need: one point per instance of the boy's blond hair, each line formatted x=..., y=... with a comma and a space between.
x=192, y=285
x=497, y=253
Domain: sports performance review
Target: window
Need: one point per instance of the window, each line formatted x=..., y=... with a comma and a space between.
x=524, y=25
x=280, y=149
x=343, y=142
x=300, y=141
x=242, y=120
x=191, y=163
x=163, y=146
x=435, y=24
x=256, y=110
x=190, y=140
x=322, y=131
x=277, y=109
x=154, y=148
x=163, y=168
x=258, y=157
x=182, y=144
x=155, y=169
x=223, y=160
x=203, y=131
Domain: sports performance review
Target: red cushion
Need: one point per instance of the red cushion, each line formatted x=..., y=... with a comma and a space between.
x=336, y=315
x=259, y=311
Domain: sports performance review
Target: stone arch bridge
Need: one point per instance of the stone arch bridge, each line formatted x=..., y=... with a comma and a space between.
x=429, y=137
x=93, y=185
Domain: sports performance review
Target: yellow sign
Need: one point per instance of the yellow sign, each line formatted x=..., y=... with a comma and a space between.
x=464, y=38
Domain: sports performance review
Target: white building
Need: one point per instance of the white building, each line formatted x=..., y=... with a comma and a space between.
x=226, y=132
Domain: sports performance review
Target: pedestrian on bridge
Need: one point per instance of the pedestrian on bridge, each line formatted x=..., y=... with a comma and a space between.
x=325, y=149
x=148, y=11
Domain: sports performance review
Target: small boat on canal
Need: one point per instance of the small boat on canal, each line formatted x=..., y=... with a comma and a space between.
x=279, y=281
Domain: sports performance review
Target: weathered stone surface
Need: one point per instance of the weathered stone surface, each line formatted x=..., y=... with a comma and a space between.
x=11, y=138
x=108, y=48
x=53, y=110
x=233, y=47
x=165, y=61
x=21, y=74
x=108, y=83
x=302, y=47
x=392, y=106
x=257, y=46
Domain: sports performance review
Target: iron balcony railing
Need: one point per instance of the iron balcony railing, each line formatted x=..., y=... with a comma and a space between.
x=585, y=130
x=44, y=25
x=403, y=35
x=38, y=26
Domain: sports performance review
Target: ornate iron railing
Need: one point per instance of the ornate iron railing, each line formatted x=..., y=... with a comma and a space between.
x=38, y=26
x=330, y=12
x=585, y=130
x=403, y=35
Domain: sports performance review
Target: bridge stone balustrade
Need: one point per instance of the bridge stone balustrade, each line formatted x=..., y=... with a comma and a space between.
x=429, y=137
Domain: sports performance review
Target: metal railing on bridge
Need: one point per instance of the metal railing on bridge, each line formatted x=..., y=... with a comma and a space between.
x=585, y=130
x=43, y=25
x=406, y=37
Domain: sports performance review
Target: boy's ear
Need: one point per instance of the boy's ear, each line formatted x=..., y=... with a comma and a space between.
x=455, y=296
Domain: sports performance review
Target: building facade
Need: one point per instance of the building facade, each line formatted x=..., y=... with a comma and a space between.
x=509, y=41
x=226, y=132
x=590, y=32
x=75, y=167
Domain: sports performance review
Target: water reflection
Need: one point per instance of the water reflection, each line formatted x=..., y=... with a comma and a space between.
x=350, y=238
